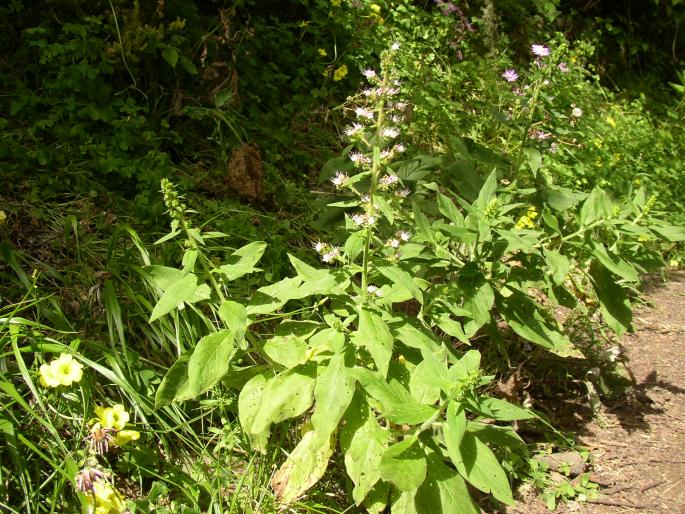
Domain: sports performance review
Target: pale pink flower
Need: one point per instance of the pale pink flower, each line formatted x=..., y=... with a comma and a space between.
x=540, y=50
x=510, y=75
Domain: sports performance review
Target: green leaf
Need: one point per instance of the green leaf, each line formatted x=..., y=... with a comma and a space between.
x=449, y=210
x=477, y=464
x=243, y=260
x=184, y=290
x=287, y=395
x=374, y=335
x=669, y=232
x=174, y=385
x=272, y=297
x=534, y=158
x=559, y=265
x=210, y=361
x=499, y=436
x=404, y=465
x=333, y=393
x=596, y=207
x=454, y=428
x=234, y=316
x=443, y=491
x=303, y=468
x=403, y=279
x=363, y=442
x=393, y=400
x=422, y=224
x=525, y=319
x=413, y=335
x=613, y=301
x=249, y=404
x=497, y=409
x=404, y=502
x=288, y=351
x=487, y=192
x=170, y=55
x=614, y=263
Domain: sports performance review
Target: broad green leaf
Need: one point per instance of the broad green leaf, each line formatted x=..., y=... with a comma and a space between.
x=363, y=442
x=422, y=224
x=477, y=464
x=249, y=404
x=403, y=279
x=288, y=351
x=559, y=265
x=327, y=340
x=174, y=385
x=404, y=502
x=163, y=276
x=333, y=393
x=234, y=316
x=272, y=297
x=560, y=198
x=461, y=369
x=497, y=409
x=520, y=240
x=377, y=500
x=287, y=395
x=487, y=192
x=303, y=468
x=450, y=211
x=354, y=245
x=374, y=335
x=595, y=207
x=413, y=335
x=444, y=491
x=669, y=232
x=210, y=361
x=393, y=400
x=499, y=436
x=422, y=384
x=614, y=263
x=184, y=290
x=534, y=158
x=243, y=260
x=525, y=319
x=454, y=428
x=613, y=302
x=170, y=55
x=404, y=465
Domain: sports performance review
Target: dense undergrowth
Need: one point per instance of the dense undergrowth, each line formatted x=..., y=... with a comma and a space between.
x=380, y=213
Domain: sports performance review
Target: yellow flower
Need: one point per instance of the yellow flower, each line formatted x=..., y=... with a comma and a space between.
x=112, y=417
x=62, y=371
x=340, y=73
x=611, y=121
x=105, y=499
x=532, y=212
x=125, y=436
x=322, y=52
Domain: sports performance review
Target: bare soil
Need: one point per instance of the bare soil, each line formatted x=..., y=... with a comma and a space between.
x=638, y=440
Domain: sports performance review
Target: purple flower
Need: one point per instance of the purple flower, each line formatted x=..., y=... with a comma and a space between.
x=563, y=67
x=539, y=134
x=540, y=50
x=510, y=75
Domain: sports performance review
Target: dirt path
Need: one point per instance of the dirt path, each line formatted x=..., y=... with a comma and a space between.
x=638, y=443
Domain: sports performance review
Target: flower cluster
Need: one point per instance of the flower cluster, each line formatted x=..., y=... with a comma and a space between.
x=329, y=254
x=528, y=219
x=64, y=370
x=109, y=428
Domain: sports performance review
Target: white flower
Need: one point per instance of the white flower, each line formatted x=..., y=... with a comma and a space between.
x=319, y=246
x=332, y=255
x=400, y=106
x=402, y=193
x=404, y=235
x=365, y=198
x=370, y=220
x=359, y=158
x=359, y=219
x=399, y=148
x=394, y=243
x=396, y=118
x=385, y=154
x=363, y=112
x=369, y=74
x=339, y=179
x=374, y=290
x=388, y=180
x=369, y=92
x=395, y=46
x=354, y=129
x=390, y=132
x=577, y=112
